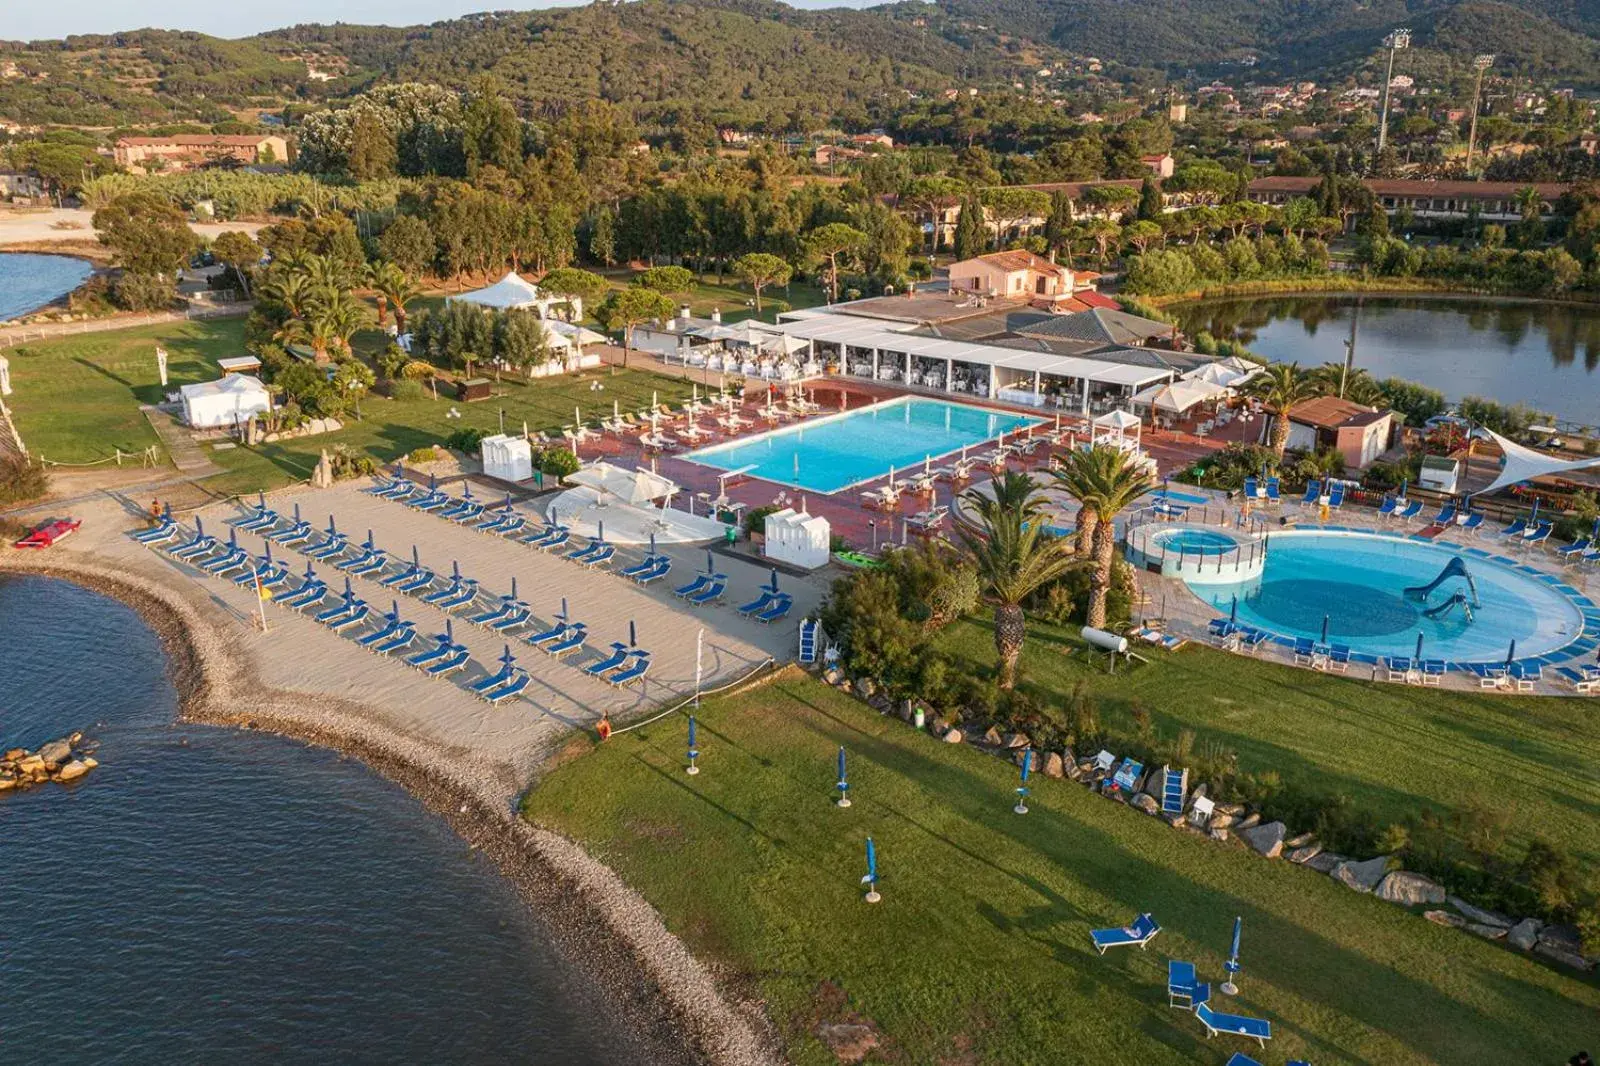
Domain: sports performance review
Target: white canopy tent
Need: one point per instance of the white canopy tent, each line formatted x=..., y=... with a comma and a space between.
x=1223, y=374
x=1522, y=463
x=228, y=401
x=511, y=291
x=635, y=487
x=573, y=334
x=1179, y=396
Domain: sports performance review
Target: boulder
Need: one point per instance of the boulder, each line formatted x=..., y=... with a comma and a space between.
x=1478, y=914
x=332, y=425
x=1217, y=834
x=1266, y=839
x=7, y=781
x=72, y=770
x=954, y=736
x=1068, y=757
x=993, y=737
x=1564, y=937
x=1445, y=918
x=1362, y=876
x=1248, y=821
x=55, y=753
x=30, y=764
x=1303, y=854
x=866, y=687
x=1054, y=766
x=1409, y=889
x=1525, y=934
x=1197, y=792
x=1220, y=819
x=832, y=675
x=1017, y=740
x=13, y=754
x=1026, y=753
x=1146, y=803
x=1488, y=932
x=1300, y=841
x=1235, y=809
x=1561, y=955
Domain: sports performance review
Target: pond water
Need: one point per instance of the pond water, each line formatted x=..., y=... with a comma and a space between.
x=213, y=895
x=29, y=281
x=1542, y=354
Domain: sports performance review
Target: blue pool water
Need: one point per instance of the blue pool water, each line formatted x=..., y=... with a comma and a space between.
x=857, y=446
x=1195, y=541
x=1357, y=581
x=1182, y=497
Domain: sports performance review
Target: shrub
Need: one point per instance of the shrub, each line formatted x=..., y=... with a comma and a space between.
x=465, y=440
x=21, y=480
x=559, y=462
x=426, y=454
x=349, y=463
x=403, y=389
x=143, y=292
x=755, y=519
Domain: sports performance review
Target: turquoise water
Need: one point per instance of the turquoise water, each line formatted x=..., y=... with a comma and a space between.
x=29, y=281
x=1195, y=541
x=838, y=452
x=1357, y=581
x=1182, y=497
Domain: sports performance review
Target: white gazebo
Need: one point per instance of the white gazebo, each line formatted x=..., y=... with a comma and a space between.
x=228, y=401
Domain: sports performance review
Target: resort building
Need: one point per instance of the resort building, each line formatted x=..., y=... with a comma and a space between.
x=1495, y=201
x=1360, y=434
x=1015, y=274
x=184, y=151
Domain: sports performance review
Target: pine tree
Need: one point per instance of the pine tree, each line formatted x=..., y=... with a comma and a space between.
x=1149, y=201
x=603, y=238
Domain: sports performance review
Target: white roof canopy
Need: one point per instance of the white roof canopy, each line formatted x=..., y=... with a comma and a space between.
x=629, y=486
x=574, y=332
x=886, y=337
x=1523, y=464
x=509, y=292
x=1118, y=420
x=1179, y=396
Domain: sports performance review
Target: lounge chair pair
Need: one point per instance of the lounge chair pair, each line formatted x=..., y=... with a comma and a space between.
x=1168, y=641
x=652, y=568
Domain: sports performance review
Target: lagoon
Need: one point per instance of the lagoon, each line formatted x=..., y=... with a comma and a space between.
x=1542, y=354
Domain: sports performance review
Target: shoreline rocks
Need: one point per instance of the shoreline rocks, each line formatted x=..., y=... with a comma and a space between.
x=60, y=761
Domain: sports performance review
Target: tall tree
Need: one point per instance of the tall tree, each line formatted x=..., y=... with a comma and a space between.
x=971, y=236
x=373, y=153
x=760, y=269
x=1280, y=387
x=147, y=233
x=828, y=243
x=394, y=289
x=238, y=252
x=1149, y=200
x=1014, y=557
x=626, y=308
x=1104, y=481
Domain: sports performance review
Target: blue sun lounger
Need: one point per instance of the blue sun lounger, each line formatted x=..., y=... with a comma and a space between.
x=1584, y=680
x=1141, y=932
x=1239, y=1058
x=399, y=640
x=371, y=563
x=1408, y=511
x=451, y=662
x=159, y=533
x=1274, y=495
x=328, y=547
x=1215, y=1021
x=392, y=624
x=1445, y=517
x=1517, y=528
x=509, y=689
x=1312, y=495
x=1540, y=534
x=571, y=639
x=1489, y=675
x=1336, y=497
x=553, y=634
x=517, y=617
x=306, y=596
x=508, y=527
x=700, y=582
x=196, y=546
x=499, y=521
x=535, y=538
x=1182, y=984
x=1386, y=508
x=710, y=593
x=1433, y=671
x=490, y=682
x=654, y=568
x=1576, y=548
x=1471, y=522
x=775, y=610
x=557, y=538
x=346, y=606
x=1526, y=676
x=767, y=598
x=633, y=671
x=401, y=577
x=618, y=656
x=1169, y=510
x=261, y=518
x=1172, y=790
x=354, y=616
x=599, y=554
x=1304, y=649
x=293, y=535
x=1250, y=488
x=417, y=582
x=459, y=593
x=464, y=512
x=444, y=647
x=267, y=572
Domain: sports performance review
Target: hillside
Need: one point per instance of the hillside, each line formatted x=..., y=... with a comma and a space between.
x=1309, y=38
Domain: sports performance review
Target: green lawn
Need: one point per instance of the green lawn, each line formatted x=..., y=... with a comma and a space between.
x=1392, y=748
x=980, y=951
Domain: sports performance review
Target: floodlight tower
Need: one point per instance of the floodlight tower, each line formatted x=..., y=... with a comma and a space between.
x=1394, y=42
x=1481, y=63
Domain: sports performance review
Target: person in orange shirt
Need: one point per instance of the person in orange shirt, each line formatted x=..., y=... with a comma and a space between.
x=604, y=728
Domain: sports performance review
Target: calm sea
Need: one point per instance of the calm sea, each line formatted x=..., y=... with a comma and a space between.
x=209, y=895
x=29, y=281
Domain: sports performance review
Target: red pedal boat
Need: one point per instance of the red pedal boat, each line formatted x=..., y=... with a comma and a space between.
x=49, y=533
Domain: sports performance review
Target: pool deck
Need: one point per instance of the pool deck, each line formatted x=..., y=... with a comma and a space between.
x=1185, y=614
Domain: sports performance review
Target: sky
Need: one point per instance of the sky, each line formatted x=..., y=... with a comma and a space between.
x=34, y=21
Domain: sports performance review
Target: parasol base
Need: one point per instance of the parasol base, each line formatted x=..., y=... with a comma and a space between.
x=691, y=770
x=844, y=801
x=872, y=897
x=1228, y=988
x=1021, y=808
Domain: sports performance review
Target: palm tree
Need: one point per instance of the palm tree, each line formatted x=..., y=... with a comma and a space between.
x=1281, y=386
x=289, y=288
x=1014, y=558
x=1105, y=482
x=395, y=289
x=329, y=321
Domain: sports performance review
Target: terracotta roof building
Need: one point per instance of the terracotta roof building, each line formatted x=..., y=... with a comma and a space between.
x=186, y=150
x=1360, y=434
x=1495, y=201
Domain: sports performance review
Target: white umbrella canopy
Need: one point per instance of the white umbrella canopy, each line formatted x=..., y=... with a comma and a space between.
x=511, y=291
x=629, y=486
x=574, y=332
x=1179, y=396
x=784, y=344
x=752, y=333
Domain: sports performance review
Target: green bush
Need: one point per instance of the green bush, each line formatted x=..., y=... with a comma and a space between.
x=21, y=480
x=405, y=389
x=143, y=292
x=465, y=440
x=425, y=454
x=755, y=519
x=558, y=462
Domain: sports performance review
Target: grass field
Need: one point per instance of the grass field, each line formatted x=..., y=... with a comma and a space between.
x=1392, y=748
x=980, y=951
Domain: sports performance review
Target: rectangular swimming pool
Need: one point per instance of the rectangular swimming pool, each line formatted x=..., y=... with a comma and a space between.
x=833, y=453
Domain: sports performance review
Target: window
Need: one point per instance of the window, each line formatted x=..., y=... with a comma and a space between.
x=1040, y=285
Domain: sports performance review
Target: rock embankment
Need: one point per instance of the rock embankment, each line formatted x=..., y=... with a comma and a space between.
x=61, y=761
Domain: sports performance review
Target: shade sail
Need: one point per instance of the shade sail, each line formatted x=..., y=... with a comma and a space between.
x=629, y=486
x=1179, y=396
x=1521, y=463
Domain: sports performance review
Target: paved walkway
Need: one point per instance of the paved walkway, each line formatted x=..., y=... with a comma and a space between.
x=186, y=454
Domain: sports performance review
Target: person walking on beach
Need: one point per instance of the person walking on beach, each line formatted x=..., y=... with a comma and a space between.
x=604, y=728
x=155, y=512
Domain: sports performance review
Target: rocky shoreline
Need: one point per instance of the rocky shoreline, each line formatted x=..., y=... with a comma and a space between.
x=60, y=761
x=671, y=1002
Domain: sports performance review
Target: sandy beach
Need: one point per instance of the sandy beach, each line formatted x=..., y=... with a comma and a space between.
x=67, y=225
x=466, y=760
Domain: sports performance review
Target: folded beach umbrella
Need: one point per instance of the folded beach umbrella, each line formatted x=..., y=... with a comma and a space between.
x=1417, y=655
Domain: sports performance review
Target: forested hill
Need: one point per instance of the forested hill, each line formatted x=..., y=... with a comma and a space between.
x=1546, y=39
x=747, y=61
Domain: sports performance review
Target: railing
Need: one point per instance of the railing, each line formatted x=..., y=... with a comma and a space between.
x=51, y=330
x=1245, y=555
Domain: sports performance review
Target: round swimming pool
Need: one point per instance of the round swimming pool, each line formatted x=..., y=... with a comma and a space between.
x=1360, y=583
x=1193, y=541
